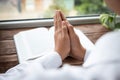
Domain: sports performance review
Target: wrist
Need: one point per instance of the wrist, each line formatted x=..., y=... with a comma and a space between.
x=61, y=54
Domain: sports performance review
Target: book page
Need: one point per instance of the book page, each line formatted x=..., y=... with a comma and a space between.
x=31, y=43
x=34, y=43
x=51, y=38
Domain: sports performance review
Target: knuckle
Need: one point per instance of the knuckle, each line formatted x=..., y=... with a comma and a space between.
x=59, y=21
x=64, y=28
x=58, y=32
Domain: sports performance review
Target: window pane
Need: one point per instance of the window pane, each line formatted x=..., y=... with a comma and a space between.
x=30, y=9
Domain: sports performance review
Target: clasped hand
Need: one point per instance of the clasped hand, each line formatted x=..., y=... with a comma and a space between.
x=66, y=40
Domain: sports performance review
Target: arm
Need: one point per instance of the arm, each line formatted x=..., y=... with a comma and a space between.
x=52, y=60
x=37, y=68
x=24, y=70
x=44, y=68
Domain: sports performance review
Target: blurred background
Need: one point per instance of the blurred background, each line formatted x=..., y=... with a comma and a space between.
x=32, y=9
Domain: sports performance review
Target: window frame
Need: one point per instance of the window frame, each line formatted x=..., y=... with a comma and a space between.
x=47, y=22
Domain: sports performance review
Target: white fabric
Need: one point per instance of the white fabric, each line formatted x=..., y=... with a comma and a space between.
x=107, y=48
x=102, y=64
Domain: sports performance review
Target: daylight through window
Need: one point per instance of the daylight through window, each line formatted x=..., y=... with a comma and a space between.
x=31, y=9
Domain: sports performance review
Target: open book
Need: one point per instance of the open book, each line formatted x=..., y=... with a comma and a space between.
x=38, y=42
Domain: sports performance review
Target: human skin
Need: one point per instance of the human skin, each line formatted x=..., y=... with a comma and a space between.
x=62, y=41
x=76, y=50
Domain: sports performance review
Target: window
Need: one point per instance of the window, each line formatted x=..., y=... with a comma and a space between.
x=32, y=9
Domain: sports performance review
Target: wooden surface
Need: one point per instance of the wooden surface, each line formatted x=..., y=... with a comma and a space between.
x=8, y=56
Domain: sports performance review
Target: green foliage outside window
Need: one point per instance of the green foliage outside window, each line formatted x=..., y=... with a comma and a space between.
x=57, y=5
x=90, y=7
x=81, y=7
